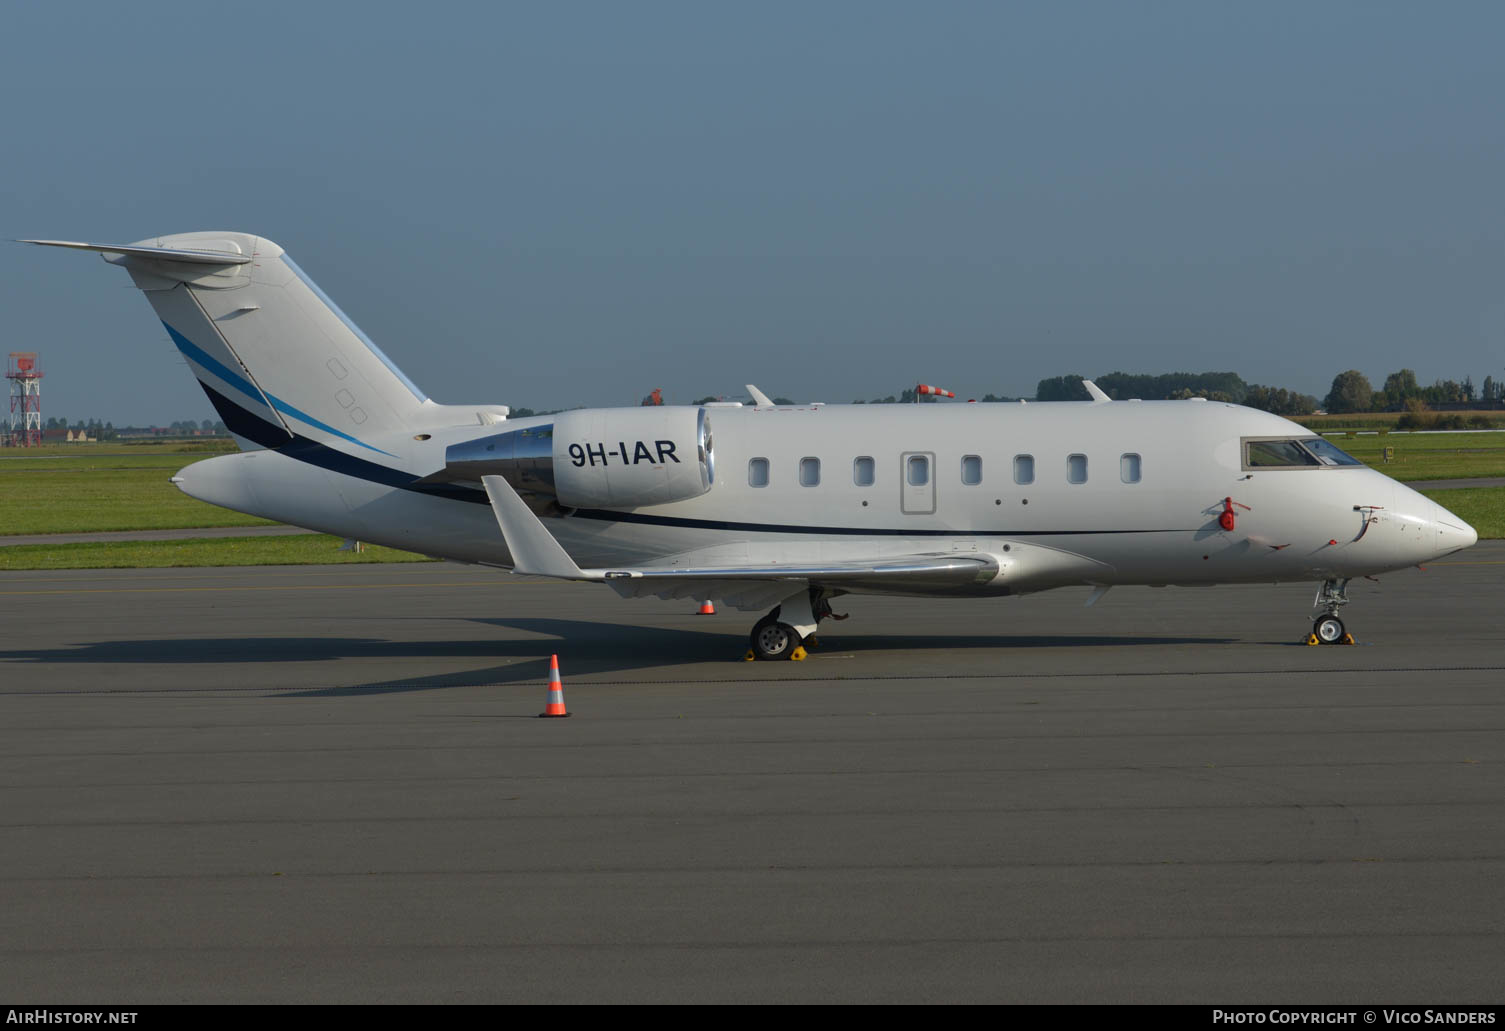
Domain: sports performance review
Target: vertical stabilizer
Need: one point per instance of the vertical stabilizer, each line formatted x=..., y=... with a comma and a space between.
x=276, y=356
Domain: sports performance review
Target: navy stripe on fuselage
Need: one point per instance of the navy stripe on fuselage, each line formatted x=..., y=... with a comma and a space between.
x=254, y=428
x=246, y=424
x=840, y=531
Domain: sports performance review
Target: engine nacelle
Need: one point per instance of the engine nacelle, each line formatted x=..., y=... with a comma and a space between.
x=599, y=457
x=629, y=457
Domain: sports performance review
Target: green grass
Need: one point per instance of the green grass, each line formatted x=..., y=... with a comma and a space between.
x=1430, y=456
x=1483, y=508
x=82, y=488
x=1384, y=420
x=203, y=446
x=302, y=550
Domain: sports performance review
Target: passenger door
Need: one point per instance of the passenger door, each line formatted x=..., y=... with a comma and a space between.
x=917, y=482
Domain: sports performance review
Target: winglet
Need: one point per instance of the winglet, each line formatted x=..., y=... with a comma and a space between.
x=1096, y=391
x=534, y=550
x=759, y=398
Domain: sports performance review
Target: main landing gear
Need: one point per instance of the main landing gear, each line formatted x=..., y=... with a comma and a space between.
x=1328, y=628
x=784, y=632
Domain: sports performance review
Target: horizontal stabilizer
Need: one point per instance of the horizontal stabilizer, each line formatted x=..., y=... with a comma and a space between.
x=158, y=253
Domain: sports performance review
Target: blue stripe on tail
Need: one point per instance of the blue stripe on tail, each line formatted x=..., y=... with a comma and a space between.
x=245, y=386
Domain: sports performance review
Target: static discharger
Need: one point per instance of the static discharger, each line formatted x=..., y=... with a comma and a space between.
x=556, y=691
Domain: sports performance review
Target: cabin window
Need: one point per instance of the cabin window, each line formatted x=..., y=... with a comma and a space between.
x=1128, y=468
x=1076, y=468
x=809, y=472
x=1024, y=468
x=863, y=471
x=757, y=472
x=917, y=470
x=971, y=470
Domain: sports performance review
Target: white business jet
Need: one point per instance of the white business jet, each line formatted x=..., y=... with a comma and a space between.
x=784, y=507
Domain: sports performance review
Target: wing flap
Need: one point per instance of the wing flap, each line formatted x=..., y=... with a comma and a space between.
x=535, y=552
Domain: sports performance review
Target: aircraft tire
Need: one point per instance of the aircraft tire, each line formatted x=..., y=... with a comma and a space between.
x=771, y=640
x=1329, y=629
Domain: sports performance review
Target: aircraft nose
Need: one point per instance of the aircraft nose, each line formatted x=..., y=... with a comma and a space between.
x=1453, y=534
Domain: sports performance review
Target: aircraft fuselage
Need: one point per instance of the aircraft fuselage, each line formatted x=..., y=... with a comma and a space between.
x=1103, y=493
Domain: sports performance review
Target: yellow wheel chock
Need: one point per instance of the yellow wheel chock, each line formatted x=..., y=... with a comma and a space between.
x=1345, y=639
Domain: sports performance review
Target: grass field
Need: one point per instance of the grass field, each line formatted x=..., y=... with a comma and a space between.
x=1430, y=456
x=1386, y=420
x=83, y=488
x=302, y=550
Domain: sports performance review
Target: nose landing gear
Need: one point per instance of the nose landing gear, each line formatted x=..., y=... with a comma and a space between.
x=1328, y=628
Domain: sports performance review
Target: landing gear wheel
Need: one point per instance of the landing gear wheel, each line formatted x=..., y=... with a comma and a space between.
x=1329, y=629
x=773, y=640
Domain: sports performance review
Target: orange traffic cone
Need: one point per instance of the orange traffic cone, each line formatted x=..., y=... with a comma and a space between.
x=556, y=691
x=706, y=608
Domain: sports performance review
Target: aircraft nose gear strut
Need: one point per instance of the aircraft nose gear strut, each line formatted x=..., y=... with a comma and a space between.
x=784, y=632
x=1328, y=628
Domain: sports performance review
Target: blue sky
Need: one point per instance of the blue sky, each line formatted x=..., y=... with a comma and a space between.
x=570, y=203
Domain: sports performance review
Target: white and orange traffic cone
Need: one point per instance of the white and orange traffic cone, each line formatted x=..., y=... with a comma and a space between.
x=706, y=608
x=556, y=691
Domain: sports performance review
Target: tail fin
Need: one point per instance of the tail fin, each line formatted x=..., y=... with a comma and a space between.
x=275, y=355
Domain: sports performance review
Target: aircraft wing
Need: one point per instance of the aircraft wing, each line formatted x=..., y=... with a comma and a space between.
x=536, y=552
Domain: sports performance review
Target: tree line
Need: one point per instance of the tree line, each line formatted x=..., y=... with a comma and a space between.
x=1352, y=392
x=1179, y=386
x=108, y=431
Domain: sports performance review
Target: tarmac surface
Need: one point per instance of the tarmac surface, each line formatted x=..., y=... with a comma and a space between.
x=327, y=784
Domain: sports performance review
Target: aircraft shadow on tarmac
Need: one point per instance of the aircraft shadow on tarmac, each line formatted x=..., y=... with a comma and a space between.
x=586, y=649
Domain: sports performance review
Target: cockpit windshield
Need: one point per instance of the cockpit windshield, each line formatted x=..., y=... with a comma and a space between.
x=1328, y=453
x=1302, y=453
x=1269, y=454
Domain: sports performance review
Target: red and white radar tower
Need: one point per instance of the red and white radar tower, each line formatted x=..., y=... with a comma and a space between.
x=24, y=428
